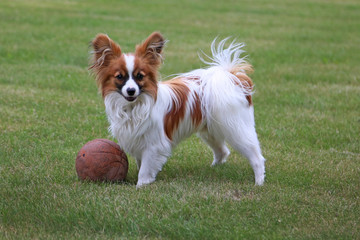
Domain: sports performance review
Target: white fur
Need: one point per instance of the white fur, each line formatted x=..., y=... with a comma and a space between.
x=227, y=117
x=130, y=63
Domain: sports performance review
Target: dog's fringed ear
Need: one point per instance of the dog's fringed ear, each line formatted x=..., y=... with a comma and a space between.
x=104, y=49
x=151, y=49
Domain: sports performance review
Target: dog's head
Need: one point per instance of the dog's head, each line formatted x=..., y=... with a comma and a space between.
x=128, y=74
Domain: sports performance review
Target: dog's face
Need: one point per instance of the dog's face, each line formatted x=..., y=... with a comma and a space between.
x=127, y=74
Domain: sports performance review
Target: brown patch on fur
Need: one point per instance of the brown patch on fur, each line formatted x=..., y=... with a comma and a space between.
x=196, y=113
x=177, y=112
x=240, y=71
x=249, y=99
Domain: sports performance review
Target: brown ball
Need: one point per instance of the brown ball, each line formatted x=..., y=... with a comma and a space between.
x=101, y=160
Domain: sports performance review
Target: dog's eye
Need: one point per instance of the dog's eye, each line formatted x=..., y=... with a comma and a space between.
x=139, y=76
x=120, y=76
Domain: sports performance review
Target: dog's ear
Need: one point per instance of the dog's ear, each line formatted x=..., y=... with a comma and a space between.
x=104, y=50
x=151, y=49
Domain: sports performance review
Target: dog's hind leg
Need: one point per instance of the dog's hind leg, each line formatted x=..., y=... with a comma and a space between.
x=250, y=148
x=220, y=151
x=246, y=142
x=239, y=131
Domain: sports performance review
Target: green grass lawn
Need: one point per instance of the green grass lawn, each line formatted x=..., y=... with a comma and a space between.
x=307, y=110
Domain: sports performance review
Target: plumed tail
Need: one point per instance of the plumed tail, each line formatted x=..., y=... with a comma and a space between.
x=228, y=58
x=224, y=83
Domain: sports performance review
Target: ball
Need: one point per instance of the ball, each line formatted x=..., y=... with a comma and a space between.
x=101, y=160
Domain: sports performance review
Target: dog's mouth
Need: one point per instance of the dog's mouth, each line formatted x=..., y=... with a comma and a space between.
x=130, y=99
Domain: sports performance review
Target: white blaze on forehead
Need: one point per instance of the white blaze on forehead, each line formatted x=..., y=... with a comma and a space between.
x=130, y=83
x=130, y=62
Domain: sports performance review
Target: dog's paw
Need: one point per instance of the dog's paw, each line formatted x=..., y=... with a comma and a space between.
x=143, y=182
x=259, y=180
x=215, y=162
x=221, y=158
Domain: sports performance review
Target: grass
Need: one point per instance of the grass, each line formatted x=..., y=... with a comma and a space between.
x=307, y=105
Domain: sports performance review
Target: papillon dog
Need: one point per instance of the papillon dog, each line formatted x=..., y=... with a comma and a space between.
x=149, y=117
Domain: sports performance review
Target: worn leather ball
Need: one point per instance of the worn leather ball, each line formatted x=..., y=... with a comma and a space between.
x=101, y=160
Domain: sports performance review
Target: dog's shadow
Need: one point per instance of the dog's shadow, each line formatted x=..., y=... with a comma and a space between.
x=197, y=168
x=202, y=171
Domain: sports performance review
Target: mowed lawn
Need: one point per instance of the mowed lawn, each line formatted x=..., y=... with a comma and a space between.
x=306, y=56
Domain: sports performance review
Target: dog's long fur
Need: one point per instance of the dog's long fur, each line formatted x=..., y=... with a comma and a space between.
x=149, y=118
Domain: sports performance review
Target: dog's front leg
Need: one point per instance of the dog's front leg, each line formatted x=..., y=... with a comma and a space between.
x=151, y=165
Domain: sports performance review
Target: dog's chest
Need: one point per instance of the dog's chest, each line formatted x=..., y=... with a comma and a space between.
x=128, y=120
x=130, y=125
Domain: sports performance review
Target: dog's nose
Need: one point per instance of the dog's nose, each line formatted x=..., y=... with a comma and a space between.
x=131, y=91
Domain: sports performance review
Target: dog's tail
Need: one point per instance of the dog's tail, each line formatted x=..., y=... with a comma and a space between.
x=226, y=77
x=224, y=85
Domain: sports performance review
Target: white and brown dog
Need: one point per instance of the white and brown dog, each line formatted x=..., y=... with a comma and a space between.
x=149, y=118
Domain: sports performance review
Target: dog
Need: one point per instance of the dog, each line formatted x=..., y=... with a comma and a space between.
x=149, y=117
